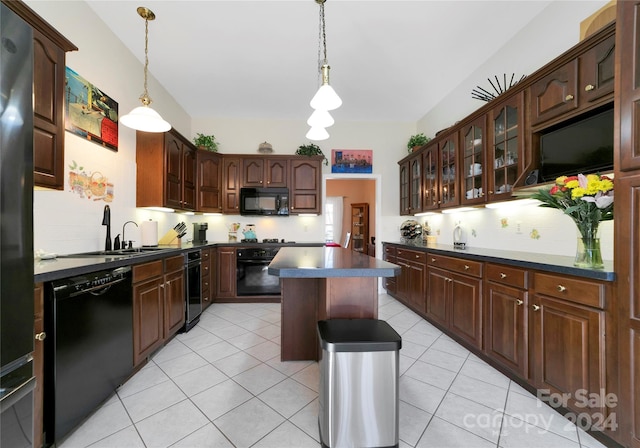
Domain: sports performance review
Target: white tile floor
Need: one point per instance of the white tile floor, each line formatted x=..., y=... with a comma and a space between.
x=223, y=385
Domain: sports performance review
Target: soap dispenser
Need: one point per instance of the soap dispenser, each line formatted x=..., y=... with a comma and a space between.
x=116, y=242
x=459, y=236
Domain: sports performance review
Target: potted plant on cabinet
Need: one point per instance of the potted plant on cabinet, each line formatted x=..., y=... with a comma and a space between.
x=311, y=150
x=416, y=141
x=206, y=142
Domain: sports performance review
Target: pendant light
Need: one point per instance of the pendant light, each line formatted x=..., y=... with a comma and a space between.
x=326, y=98
x=143, y=118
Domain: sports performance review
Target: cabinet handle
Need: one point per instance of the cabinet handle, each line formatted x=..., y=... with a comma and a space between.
x=433, y=260
x=417, y=256
x=561, y=288
x=519, y=302
x=568, y=97
x=535, y=307
x=503, y=275
x=466, y=267
x=589, y=87
x=41, y=336
x=162, y=286
x=490, y=192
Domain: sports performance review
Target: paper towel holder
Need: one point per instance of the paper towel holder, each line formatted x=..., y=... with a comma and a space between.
x=149, y=233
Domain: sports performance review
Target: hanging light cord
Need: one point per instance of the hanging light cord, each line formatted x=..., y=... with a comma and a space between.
x=145, y=98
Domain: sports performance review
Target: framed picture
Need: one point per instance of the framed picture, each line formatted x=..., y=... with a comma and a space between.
x=358, y=161
x=90, y=113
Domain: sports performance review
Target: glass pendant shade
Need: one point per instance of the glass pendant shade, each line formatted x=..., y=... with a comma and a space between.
x=317, y=134
x=326, y=98
x=320, y=119
x=145, y=119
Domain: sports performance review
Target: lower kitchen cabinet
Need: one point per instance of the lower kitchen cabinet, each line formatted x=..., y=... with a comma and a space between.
x=38, y=364
x=226, y=268
x=158, y=304
x=390, y=283
x=208, y=269
x=454, y=300
x=411, y=283
x=505, y=317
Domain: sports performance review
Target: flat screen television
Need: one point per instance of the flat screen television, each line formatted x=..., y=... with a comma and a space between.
x=584, y=146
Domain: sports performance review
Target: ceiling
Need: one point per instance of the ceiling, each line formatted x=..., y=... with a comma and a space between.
x=390, y=60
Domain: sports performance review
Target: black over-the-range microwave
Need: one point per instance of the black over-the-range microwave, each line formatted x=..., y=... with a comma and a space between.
x=264, y=201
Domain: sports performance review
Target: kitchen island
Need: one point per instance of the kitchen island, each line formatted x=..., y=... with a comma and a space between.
x=321, y=283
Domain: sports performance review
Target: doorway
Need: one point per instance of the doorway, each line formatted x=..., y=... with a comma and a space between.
x=356, y=189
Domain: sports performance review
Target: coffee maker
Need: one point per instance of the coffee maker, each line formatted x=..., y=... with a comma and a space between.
x=200, y=232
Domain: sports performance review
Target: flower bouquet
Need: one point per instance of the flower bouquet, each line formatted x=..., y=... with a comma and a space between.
x=587, y=200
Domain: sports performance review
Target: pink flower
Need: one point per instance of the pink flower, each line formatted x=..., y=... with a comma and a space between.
x=582, y=180
x=601, y=200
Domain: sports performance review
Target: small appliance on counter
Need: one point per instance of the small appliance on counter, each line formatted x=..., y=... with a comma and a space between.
x=249, y=234
x=200, y=232
x=459, y=237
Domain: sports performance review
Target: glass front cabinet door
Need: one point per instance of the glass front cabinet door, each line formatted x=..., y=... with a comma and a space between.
x=473, y=171
x=430, y=178
x=506, y=148
x=415, y=189
x=449, y=195
x=405, y=208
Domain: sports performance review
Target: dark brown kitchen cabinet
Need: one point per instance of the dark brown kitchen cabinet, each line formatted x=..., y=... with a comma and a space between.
x=567, y=337
x=166, y=171
x=411, y=283
x=208, y=276
x=582, y=83
x=449, y=167
x=505, y=317
x=263, y=172
x=454, y=296
x=628, y=87
x=49, y=55
x=507, y=156
x=226, y=268
x=359, y=227
x=411, y=190
x=231, y=185
x=38, y=364
x=148, y=309
x=174, y=295
x=474, y=169
x=405, y=186
x=158, y=304
x=209, y=183
x=390, y=283
x=430, y=178
x=305, y=185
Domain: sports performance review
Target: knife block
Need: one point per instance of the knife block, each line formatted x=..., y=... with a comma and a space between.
x=170, y=239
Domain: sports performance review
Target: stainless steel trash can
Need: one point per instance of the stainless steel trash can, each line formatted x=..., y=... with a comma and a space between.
x=358, y=383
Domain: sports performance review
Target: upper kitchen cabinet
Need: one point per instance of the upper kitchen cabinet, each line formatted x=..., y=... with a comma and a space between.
x=263, y=172
x=305, y=185
x=411, y=185
x=507, y=156
x=49, y=48
x=430, y=177
x=582, y=82
x=473, y=159
x=174, y=158
x=449, y=185
x=209, y=181
x=629, y=89
x=231, y=185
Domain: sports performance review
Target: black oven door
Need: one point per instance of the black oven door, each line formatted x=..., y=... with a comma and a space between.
x=253, y=278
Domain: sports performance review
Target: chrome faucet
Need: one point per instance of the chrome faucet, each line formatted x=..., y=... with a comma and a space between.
x=124, y=241
x=106, y=221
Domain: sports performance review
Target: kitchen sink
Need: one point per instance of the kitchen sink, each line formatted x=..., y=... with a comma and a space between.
x=115, y=253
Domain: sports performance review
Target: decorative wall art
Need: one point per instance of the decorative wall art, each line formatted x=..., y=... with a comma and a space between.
x=90, y=113
x=358, y=161
x=89, y=185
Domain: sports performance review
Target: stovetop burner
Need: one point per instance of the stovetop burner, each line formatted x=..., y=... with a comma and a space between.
x=249, y=240
x=270, y=240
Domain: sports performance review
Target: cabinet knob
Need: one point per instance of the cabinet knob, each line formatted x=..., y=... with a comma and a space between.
x=417, y=256
x=568, y=97
x=466, y=267
x=535, y=307
x=503, y=275
x=589, y=87
x=162, y=286
x=41, y=336
x=561, y=288
x=433, y=260
x=519, y=302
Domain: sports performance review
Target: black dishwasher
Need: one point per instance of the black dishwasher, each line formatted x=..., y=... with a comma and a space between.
x=89, y=346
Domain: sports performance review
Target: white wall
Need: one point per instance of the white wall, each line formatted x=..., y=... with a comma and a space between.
x=66, y=223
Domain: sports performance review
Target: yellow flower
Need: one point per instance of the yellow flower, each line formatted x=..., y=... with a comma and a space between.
x=578, y=193
x=560, y=180
x=572, y=184
x=606, y=185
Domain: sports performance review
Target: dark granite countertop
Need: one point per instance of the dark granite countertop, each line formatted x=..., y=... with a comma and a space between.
x=324, y=262
x=66, y=266
x=544, y=262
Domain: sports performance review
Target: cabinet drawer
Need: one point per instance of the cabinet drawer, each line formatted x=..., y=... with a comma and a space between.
x=456, y=264
x=206, y=255
x=412, y=255
x=174, y=263
x=205, y=268
x=507, y=275
x=582, y=291
x=390, y=251
x=147, y=270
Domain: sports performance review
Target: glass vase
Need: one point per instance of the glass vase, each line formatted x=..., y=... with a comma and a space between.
x=588, y=253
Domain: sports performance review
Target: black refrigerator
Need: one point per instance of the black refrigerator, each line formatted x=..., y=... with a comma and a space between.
x=16, y=231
